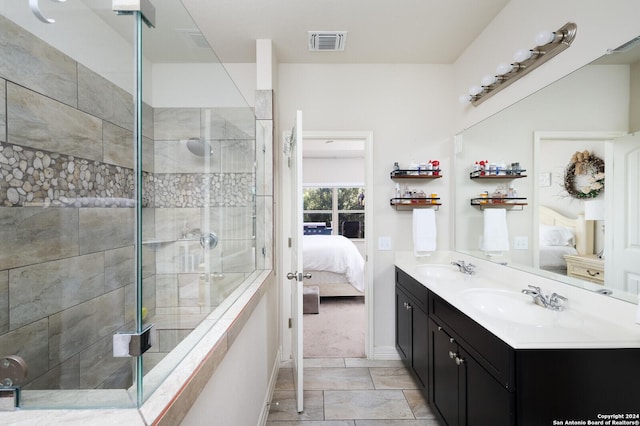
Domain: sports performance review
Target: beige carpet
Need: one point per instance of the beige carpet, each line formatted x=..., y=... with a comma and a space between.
x=337, y=331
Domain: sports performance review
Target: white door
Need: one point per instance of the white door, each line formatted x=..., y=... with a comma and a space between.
x=296, y=276
x=621, y=262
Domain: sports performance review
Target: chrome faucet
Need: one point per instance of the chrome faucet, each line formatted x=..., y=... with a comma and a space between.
x=555, y=302
x=465, y=268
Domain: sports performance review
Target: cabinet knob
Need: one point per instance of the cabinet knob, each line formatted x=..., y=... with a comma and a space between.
x=459, y=361
x=452, y=340
x=439, y=328
x=453, y=355
x=408, y=306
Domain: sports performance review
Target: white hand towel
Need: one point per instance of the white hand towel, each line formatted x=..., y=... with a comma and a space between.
x=496, y=234
x=424, y=231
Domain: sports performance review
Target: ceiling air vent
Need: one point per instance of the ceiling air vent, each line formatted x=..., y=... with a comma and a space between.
x=324, y=41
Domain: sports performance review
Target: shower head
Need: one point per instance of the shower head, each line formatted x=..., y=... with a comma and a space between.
x=199, y=147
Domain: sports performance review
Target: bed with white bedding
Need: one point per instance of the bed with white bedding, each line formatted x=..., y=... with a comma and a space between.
x=560, y=235
x=335, y=264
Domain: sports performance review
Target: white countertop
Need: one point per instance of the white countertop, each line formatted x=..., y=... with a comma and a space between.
x=590, y=320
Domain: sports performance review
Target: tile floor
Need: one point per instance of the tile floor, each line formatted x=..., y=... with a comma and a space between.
x=351, y=392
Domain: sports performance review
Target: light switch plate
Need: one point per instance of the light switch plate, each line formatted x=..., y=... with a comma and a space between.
x=520, y=243
x=384, y=243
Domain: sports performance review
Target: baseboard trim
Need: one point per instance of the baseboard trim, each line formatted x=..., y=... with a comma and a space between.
x=385, y=353
x=271, y=388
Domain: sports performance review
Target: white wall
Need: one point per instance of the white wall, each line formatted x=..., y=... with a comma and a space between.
x=235, y=394
x=203, y=85
x=409, y=109
x=349, y=171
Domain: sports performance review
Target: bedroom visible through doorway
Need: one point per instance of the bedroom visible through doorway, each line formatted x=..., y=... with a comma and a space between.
x=335, y=244
x=337, y=331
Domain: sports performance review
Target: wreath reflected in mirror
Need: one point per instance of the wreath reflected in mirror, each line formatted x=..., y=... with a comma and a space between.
x=584, y=176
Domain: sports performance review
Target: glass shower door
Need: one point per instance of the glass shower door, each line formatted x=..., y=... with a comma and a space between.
x=67, y=241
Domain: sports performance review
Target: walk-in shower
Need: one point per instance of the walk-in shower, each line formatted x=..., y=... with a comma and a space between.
x=92, y=230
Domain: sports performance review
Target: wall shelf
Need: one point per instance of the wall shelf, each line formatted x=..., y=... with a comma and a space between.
x=411, y=203
x=501, y=203
x=416, y=174
x=507, y=174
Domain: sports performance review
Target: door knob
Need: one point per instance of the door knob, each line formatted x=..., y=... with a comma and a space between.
x=292, y=275
x=307, y=275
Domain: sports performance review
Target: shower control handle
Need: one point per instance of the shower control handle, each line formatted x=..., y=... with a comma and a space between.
x=208, y=240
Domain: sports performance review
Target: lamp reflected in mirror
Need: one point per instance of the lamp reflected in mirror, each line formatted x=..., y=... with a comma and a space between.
x=594, y=210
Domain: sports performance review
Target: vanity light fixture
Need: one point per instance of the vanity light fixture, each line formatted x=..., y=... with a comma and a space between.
x=548, y=45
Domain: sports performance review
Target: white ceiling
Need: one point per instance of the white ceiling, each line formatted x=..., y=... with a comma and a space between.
x=379, y=31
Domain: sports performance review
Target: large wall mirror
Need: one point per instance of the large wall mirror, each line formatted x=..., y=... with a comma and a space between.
x=560, y=233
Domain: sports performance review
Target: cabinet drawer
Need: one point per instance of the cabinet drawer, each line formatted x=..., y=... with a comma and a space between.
x=414, y=288
x=591, y=273
x=488, y=350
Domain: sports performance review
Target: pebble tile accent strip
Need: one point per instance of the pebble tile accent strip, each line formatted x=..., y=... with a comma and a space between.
x=38, y=178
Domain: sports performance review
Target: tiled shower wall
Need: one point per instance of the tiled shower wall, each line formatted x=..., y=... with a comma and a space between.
x=66, y=219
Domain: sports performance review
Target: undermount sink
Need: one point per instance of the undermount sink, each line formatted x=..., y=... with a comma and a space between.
x=515, y=307
x=440, y=272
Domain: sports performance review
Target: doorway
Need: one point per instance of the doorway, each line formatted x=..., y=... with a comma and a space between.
x=339, y=165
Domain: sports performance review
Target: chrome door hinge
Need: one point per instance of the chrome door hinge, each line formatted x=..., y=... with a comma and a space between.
x=133, y=344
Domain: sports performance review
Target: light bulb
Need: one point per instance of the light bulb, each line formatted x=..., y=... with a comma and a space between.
x=488, y=80
x=504, y=68
x=463, y=99
x=522, y=55
x=545, y=37
x=475, y=90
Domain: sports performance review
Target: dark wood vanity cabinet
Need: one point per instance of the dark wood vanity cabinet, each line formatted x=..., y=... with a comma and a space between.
x=466, y=387
x=412, y=321
x=471, y=377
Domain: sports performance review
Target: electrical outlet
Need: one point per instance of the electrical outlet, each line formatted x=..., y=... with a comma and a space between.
x=520, y=243
x=384, y=243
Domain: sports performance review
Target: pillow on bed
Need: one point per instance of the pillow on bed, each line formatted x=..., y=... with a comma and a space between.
x=556, y=236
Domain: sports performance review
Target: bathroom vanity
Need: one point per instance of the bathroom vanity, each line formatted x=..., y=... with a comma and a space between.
x=484, y=355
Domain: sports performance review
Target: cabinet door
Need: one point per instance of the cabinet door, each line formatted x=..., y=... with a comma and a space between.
x=483, y=401
x=420, y=345
x=444, y=389
x=403, y=326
